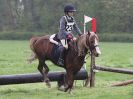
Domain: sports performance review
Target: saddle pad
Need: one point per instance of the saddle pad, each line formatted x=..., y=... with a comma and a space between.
x=56, y=51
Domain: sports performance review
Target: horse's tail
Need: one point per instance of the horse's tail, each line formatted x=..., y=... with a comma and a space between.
x=33, y=54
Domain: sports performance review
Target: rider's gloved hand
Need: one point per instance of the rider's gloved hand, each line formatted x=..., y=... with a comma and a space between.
x=69, y=36
x=74, y=38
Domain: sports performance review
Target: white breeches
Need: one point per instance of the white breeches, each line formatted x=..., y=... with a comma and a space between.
x=52, y=39
x=63, y=41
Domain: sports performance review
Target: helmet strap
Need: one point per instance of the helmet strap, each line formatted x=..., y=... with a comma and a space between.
x=66, y=13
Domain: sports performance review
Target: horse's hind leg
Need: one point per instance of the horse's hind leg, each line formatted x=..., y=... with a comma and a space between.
x=40, y=67
x=43, y=69
x=46, y=79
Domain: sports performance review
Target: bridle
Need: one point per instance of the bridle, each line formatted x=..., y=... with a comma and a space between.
x=91, y=47
x=89, y=44
x=86, y=44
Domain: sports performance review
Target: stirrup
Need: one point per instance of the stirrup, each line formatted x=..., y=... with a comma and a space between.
x=61, y=62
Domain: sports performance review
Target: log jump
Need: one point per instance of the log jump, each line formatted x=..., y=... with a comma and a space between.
x=37, y=77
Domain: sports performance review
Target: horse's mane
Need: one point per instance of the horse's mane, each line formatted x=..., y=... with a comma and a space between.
x=73, y=45
x=79, y=44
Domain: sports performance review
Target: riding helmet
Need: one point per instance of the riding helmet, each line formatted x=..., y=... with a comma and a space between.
x=69, y=8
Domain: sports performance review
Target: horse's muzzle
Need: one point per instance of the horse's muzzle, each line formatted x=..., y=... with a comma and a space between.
x=98, y=52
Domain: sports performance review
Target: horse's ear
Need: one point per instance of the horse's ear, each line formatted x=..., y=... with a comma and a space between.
x=88, y=32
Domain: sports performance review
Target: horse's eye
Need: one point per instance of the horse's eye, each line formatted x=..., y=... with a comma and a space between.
x=92, y=42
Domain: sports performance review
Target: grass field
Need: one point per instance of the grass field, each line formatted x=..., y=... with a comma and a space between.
x=13, y=55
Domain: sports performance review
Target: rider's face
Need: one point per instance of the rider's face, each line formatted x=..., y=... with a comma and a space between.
x=71, y=13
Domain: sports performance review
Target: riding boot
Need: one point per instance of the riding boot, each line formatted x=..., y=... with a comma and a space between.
x=61, y=58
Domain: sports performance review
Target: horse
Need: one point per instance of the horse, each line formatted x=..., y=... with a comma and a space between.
x=73, y=58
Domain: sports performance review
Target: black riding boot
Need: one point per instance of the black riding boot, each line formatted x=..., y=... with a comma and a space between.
x=61, y=58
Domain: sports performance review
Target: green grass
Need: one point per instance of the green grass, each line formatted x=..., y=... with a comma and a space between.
x=39, y=91
x=13, y=55
x=116, y=37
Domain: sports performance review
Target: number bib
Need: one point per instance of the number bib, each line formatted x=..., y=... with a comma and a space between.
x=69, y=25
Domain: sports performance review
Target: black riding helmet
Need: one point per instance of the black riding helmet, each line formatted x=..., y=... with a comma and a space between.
x=69, y=8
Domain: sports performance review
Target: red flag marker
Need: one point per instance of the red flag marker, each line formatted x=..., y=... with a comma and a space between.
x=93, y=27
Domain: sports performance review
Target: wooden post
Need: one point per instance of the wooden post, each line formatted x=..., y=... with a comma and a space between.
x=92, y=73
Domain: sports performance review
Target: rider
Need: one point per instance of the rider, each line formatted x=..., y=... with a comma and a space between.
x=67, y=25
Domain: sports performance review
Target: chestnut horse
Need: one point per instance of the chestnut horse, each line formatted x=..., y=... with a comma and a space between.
x=73, y=59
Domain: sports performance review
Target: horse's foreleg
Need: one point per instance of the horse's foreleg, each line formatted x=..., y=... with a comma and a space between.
x=70, y=80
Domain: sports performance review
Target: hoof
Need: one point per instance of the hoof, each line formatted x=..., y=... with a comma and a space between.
x=61, y=88
x=70, y=92
x=48, y=83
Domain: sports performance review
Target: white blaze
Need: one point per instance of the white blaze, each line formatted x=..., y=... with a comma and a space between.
x=97, y=48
